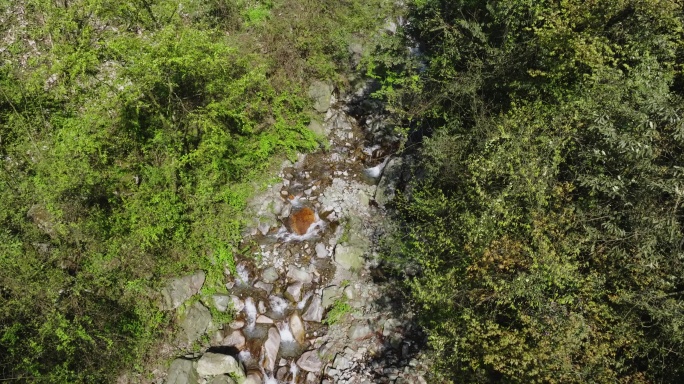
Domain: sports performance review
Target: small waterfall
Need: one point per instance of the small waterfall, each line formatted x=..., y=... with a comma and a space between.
x=294, y=370
x=250, y=313
x=278, y=305
x=242, y=277
x=304, y=300
x=285, y=333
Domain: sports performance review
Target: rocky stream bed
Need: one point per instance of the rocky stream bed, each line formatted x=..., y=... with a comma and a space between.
x=309, y=310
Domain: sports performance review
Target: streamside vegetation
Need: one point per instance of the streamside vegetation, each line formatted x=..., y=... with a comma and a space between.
x=544, y=213
x=132, y=134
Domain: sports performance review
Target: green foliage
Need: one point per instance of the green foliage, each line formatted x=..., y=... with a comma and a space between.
x=339, y=309
x=132, y=134
x=545, y=214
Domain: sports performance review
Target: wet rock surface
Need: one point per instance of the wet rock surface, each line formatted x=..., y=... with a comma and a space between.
x=308, y=309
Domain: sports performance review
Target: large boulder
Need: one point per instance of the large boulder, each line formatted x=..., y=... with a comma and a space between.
x=181, y=289
x=194, y=323
x=320, y=93
x=212, y=364
x=182, y=371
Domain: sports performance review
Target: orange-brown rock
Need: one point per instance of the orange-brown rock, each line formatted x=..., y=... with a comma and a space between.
x=300, y=220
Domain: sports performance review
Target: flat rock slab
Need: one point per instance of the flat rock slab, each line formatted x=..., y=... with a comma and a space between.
x=234, y=339
x=299, y=274
x=181, y=289
x=182, y=371
x=211, y=364
x=360, y=331
x=349, y=257
x=310, y=362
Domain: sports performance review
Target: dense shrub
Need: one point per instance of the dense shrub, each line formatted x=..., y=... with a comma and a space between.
x=545, y=214
x=132, y=134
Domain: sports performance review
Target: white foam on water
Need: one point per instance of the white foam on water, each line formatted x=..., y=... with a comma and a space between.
x=285, y=333
x=304, y=300
x=294, y=369
x=278, y=304
x=314, y=230
x=250, y=313
x=245, y=357
x=270, y=380
x=242, y=275
x=375, y=172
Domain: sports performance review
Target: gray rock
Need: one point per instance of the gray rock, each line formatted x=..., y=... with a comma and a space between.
x=270, y=348
x=387, y=187
x=311, y=378
x=294, y=291
x=253, y=378
x=222, y=379
x=194, y=323
x=211, y=364
x=181, y=289
x=182, y=371
x=282, y=373
x=341, y=362
x=265, y=286
x=315, y=310
x=349, y=292
x=234, y=339
x=360, y=331
x=262, y=319
x=297, y=328
x=329, y=296
x=389, y=326
x=221, y=302
x=321, y=250
x=270, y=275
x=320, y=92
x=310, y=362
x=349, y=257
x=317, y=128
x=299, y=274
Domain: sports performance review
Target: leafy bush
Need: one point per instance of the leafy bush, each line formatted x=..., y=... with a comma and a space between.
x=545, y=211
x=131, y=135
